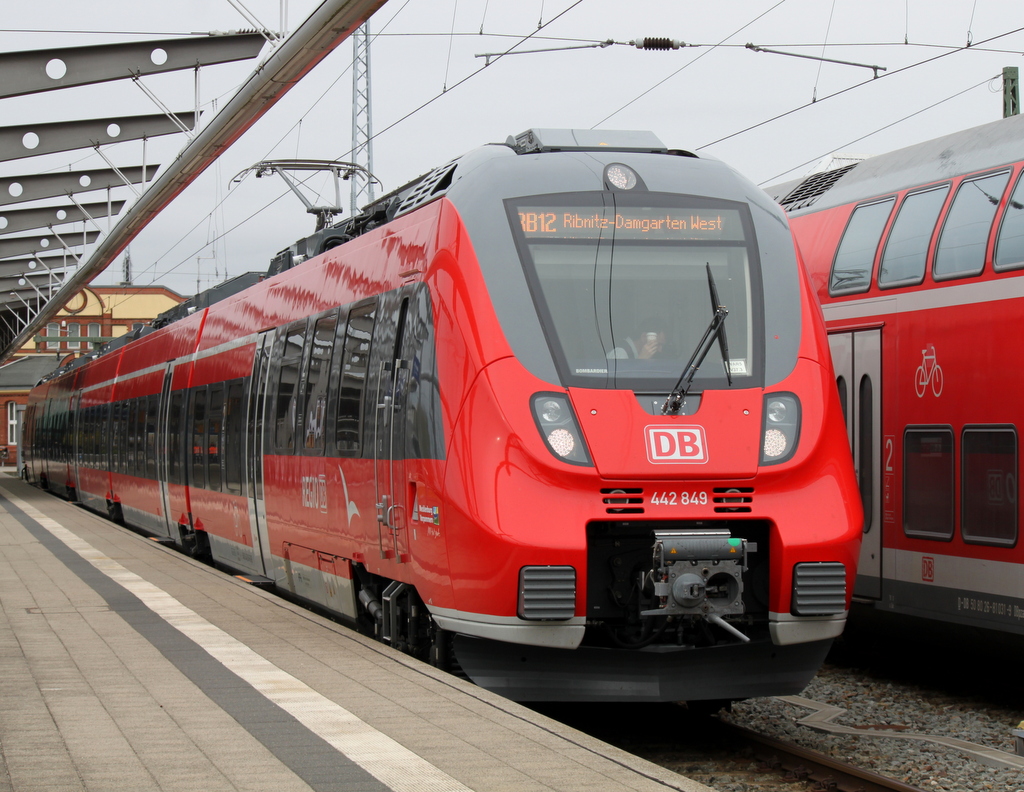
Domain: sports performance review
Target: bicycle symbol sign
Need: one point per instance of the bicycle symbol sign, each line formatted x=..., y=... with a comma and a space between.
x=928, y=373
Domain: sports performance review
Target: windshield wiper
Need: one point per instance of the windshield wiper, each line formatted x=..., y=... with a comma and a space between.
x=716, y=329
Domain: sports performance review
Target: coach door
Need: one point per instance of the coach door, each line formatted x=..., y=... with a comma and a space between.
x=165, y=449
x=857, y=359
x=253, y=449
x=389, y=431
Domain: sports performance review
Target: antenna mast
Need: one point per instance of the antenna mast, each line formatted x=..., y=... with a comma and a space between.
x=126, y=277
x=362, y=127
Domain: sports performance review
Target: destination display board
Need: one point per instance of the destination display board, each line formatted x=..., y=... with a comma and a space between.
x=631, y=222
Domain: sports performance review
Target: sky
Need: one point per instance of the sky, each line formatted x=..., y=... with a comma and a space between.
x=772, y=117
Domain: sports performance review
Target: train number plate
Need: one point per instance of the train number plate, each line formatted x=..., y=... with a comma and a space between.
x=684, y=498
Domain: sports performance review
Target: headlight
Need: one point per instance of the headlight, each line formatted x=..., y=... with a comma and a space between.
x=780, y=430
x=557, y=425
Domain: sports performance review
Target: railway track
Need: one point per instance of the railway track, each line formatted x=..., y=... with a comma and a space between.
x=816, y=770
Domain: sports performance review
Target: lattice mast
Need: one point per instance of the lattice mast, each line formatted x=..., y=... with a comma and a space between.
x=362, y=126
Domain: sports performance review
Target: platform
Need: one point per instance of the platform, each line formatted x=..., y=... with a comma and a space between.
x=127, y=666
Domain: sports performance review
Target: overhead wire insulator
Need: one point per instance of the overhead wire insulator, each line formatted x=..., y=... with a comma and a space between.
x=650, y=43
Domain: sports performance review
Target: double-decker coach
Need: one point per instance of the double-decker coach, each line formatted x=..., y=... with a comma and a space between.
x=917, y=257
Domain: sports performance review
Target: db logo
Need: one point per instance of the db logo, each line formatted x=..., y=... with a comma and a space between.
x=927, y=569
x=676, y=444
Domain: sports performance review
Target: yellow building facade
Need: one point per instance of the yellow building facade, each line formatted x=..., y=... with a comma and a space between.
x=88, y=320
x=98, y=313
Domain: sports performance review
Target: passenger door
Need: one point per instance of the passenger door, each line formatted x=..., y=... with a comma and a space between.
x=165, y=448
x=857, y=359
x=389, y=431
x=253, y=450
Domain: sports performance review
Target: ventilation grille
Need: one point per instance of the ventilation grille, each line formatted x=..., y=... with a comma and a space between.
x=819, y=589
x=547, y=592
x=623, y=501
x=430, y=187
x=813, y=187
x=733, y=499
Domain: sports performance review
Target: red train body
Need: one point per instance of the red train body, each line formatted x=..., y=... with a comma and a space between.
x=917, y=257
x=429, y=423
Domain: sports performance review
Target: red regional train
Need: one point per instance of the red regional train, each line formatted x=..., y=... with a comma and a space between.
x=917, y=257
x=560, y=413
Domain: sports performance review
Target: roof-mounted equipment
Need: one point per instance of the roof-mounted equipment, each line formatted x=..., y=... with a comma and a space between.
x=342, y=171
x=535, y=141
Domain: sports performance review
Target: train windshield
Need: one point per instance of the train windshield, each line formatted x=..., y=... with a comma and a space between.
x=621, y=285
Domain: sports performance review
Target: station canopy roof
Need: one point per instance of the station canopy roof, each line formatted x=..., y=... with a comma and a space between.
x=61, y=225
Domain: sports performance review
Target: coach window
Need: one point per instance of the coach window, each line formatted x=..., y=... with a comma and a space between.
x=100, y=444
x=1010, y=242
x=906, y=249
x=234, y=430
x=130, y=438
x=81, y=419
x=140, y=437
x=215, y=421
x=989, y=485
x=288, y=381
x=198, y=455
x=151, y=413
x=353, y=377
x=314, y=410
x=174, y=438
x=851, y=270
x=964, y=236
x=115, y=437
x=928, y=482
x=12, y=423
x=124, y=446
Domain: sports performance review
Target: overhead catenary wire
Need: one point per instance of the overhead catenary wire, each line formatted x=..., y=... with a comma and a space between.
x=818, y=158
x=850, y=88
x=253, y=215
x=688, y=64
x=538, y=36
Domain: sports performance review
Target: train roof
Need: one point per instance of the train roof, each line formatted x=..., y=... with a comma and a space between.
x=420, y=191
x=971, y=150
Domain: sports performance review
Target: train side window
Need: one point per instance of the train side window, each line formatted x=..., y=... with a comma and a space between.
x=100, y=444
x=174, y=444
x=126, y=428
x=288, y=382
x=928, y=482
x=906, y=249
x=198, y=455
x=1010, y=242
x=963, y=240
x=117, y=431
x=130, y=438
x=139, y=433
x=314, y=403
x=358, y=333
x=989, y=485
x=151, y=413
x=234, y=426
x=866, y=440
x=855, y=258
x=214, y=424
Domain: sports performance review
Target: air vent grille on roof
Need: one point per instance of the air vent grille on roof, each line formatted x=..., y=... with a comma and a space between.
x=429, y=187
x=813, y=187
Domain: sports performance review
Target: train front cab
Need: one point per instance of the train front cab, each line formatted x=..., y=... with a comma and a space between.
x=565, y=476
